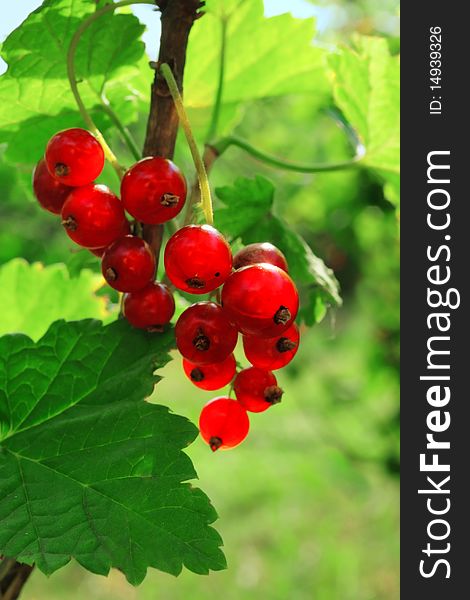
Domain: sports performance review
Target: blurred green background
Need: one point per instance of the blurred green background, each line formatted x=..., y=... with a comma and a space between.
x=308, y=505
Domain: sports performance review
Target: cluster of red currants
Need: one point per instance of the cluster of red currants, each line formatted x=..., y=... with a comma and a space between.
x=153, y=191
x=258, y=298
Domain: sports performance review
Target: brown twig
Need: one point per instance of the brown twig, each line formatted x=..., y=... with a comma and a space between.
x=177, y=18
x=13, y=577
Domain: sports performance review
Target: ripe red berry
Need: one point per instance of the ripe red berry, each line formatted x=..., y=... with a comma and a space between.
x=198, y=259
x=261, y=300
x=74, y=157
x=153, y=190
x=211, y=377
x=204, y=335
x=149, y=308
x=260, y=253
x=272, y=353
x=256, y=389
x=223, y=423
x=93, y=216
x=50, y=193
x=128, y=264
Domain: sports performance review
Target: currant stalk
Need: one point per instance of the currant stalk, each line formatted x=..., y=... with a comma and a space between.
x=206, y=199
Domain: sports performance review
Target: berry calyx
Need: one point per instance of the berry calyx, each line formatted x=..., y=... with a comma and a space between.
x=93, y=216
x=204, y=335
x=198, y=259
x=260, y=253
x=256, y=389
x=50, y=193
x=260, y=300
x=150, y=308
x=223, y=423
x=212, y=376
x=74, y=157
x=153, y=190
x=128, y=265
x=272, y=353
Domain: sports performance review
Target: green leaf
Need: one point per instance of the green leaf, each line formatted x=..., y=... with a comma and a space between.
x=33, y=296
x=245, y=203
x=247, y=214
x=366, y=88
x=35, y=96
x=88, y=469
x=264, y=57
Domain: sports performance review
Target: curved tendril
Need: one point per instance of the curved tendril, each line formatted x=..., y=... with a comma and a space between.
x=224, y=143
x=110, y=156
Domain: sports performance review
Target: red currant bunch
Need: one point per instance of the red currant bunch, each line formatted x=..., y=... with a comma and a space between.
x=251, y=293
x=259, y=300
x=153, y=191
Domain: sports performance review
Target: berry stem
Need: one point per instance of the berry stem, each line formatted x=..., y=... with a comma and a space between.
x=109, y=154
x=206, y=199
x=223, y=144
x=220, y=84
x=123, y=130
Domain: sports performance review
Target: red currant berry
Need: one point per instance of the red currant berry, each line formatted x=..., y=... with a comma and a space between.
x=261, y=300
x=211, y=377
x=223, y=423
x=153, y=190
x=256, y=389
x=50, y=193
x=273, y=353
x=198, y=259
x=260, y=253
x=204, y=335
x=149, y=308
x=93, y=216
x=74, y=157
x=128, y=265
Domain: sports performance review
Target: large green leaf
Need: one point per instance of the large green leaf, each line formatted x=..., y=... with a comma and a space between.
x=90, y=470
x=35, y=96
x=247, y=214
x=264, y=57
x=33, y=296
x=366, y=83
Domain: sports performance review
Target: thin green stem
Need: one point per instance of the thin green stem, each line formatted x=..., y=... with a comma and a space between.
x=123, y=130
x=220, y=83
x=203, y=180
x=223, y=144
x=109, y=154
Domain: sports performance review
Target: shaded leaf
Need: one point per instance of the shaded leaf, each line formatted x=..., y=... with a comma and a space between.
x=90, y=470
x=366, y=89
